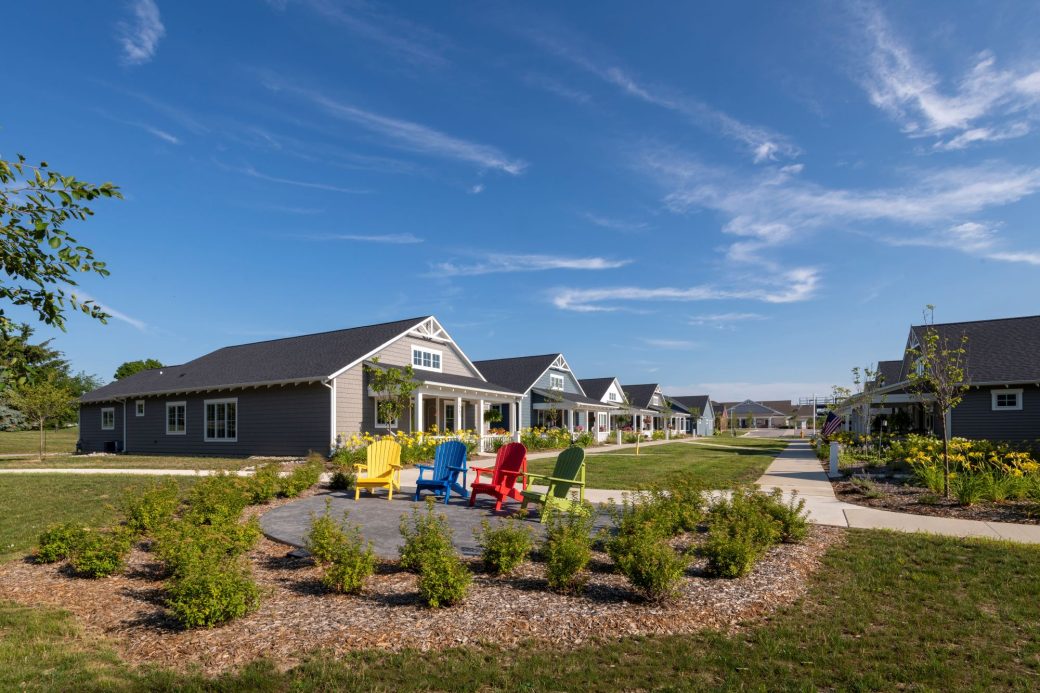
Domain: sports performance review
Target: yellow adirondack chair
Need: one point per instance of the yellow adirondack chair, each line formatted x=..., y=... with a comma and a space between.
x=381, y=470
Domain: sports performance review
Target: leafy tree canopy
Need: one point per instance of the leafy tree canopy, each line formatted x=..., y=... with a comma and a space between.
x=128, y=368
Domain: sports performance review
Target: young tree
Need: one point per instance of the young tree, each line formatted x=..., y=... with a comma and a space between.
x=393, y=388
x=554, y=398
x=38, y=255
x=41, y=401
x=667, y=411
x=938, y=373
x=128, y=368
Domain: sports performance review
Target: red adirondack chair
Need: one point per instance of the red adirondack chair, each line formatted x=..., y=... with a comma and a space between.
x=510, y=464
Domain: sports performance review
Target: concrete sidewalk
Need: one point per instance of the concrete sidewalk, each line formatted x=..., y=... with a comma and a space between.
x=798, y=469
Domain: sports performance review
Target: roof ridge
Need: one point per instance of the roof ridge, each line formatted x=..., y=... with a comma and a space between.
x=323, y=332
x=513, y=358
x=975, y=322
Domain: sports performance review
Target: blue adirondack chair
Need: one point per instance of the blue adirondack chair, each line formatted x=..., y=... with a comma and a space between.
x=449, y=460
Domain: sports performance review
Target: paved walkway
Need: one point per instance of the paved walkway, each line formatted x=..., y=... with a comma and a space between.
x=797, y=469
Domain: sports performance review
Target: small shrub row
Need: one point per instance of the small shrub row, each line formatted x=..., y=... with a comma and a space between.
x=100, y=554
x=567, y=548
x=443, y=578
x=505, y=547
x=152, y=508
x=743, y=527
x=346, y=559
x=212, y=591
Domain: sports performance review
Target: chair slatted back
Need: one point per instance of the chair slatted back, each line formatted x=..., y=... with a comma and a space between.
x=381, y=455
x=511, y=457
x=450, y=453
x=569, y=465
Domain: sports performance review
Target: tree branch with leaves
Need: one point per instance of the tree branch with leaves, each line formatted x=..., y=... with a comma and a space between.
x=393, y=388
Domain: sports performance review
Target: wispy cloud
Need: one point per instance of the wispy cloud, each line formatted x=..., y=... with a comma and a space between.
x=139, y=325
x=671, y=344
x=140, y=36
x=986, y=104
x=408, y=40
x=316, y=185
x=180, y=116
x=150, y=129
x=722, y=320
x=391, y=238
x=408, y=135
x=778, y=206
x=762, y=143
x=1029, y=258
x=500, y=263
x=614, y=224
x=795, y=285
x=555, y=86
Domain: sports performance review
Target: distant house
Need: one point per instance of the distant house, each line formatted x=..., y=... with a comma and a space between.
x=650, y=409
x=753, y=414
x=701, y=420
x=289, y=396
x=552, y=394
x=608, y=391
x=1002, y=372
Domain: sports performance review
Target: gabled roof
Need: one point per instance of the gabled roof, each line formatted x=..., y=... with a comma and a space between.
x=570, y=398
x=307, y=358
x=677, y=406
x=1005, y=350
x=890, y=372
x=639, y=395
x=449, y=379
x=518, y=373
x=755, y=408
x=691, y=402
x=597, y=387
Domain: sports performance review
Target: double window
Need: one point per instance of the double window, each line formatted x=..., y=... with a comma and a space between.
x=555, y=382
x=221, y=424
x=176, y=418
x=426, y=359
x=1006, y=400
x=108, y=419
x=612, y=396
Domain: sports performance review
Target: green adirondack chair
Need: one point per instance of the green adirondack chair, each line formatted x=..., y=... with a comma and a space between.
x=568, y=473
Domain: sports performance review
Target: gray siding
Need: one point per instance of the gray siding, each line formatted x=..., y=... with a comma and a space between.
x=290, y=420
x=974, y=416
x=570, y=384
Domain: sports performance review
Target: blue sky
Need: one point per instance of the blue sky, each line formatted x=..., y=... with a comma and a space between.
x=743, y=200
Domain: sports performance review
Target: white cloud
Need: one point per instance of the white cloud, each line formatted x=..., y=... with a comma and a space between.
x=1029, y=258
x=494, y=264
x=738, y=391
x=557, y=87
x=253, y=173
x=476, y=189
x=614, y=224
x=792, y=286
x=140, y=37
x=721, y=320
x=671, y=344
x=392, y=238
x=914, y=96
x=411, y=136
x=139, y=325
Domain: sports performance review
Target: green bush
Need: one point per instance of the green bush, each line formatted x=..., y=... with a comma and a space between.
x=567, y=547
x=657, y=435
x=212, y=592
x=218, y=499
x=968, y=487
x=670, y=510
x=630, y=437
x=584, y=440
x=153, y=508
x=791, y=517
x=504, y=547
x=343, y=479
x=443, y=579
x=649, y=563
x=351, y=562
x=186, y=544
x=303, y=476
x=325, y=535
x=58, y=542
x=100, y=554
x=1000, y=487
x=426, y=535
x=265, y=483
x=930, y=476
x=740, y=531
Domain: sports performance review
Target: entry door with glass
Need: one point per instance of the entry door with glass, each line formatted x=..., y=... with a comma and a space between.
x=449, y=416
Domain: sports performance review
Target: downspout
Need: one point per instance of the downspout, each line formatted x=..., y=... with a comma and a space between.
x=331, y=384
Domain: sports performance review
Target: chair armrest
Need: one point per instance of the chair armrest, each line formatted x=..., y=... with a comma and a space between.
x=424, y=466
x=572, y=482
x=511, y=473
x=486, y=470
x=532, y=475
x=457, y=469
x=361, y=465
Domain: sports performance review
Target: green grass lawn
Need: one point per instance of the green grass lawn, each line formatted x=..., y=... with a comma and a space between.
x=886, y=612
x=715, y=468
x=31, y=502
x=28, y=442
x=127, y=462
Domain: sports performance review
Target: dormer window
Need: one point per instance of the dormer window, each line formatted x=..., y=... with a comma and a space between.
x=426, y=359
x=555, y=382
x=612, y=396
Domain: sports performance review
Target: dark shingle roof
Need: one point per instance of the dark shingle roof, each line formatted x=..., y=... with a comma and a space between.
x=757, y=408
x=449, y=379
x=691, y=402
x=518, y=373
x=677, y=406
x=639, y=395
x=596, y=387
x=1005, y=350
x=573, y=397
x=293, y=359
x=891, y=372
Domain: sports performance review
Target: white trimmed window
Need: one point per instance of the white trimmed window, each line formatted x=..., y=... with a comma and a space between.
x=139, y=407
x=176, y=418
x=426, y=359
x=221, y=420
x=108, y=419
x=555, y=382
x=656, y=399
x=1006, y=400
x=612, y=396
x=380, y=419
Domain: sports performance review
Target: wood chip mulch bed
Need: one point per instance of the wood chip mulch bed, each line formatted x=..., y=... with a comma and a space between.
x=298, y=617
x=903, y=497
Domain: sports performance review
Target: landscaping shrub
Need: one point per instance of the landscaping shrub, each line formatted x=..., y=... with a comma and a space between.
x=649, y=563
x=186, y=544
x=343, y=479
x=100, y=554
x=57, y=542
x=302, y=476
x=567, y=547
x=999, y=487
x=265, y=483
x=790, y=516
x=740, y=531
x=426, y=535
x=504, y=547
x=866, y=486
x=212, y=592
x=630, y=437
x=928, y=475
x=968, y=488
x=217, y=499
x=545, y=438
x=351, y=562
x=657, y=435
x=443, y=579
x=584, y=440
x=153, y=508
x=673, y=510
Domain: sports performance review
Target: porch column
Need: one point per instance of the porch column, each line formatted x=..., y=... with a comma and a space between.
x=516, y=421
x=570, y=421
x=481, y=427
x=418, y=412
x=460, y=424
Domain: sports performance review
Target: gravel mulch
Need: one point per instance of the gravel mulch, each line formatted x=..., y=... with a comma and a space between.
x=906, y=498
x=297, y=616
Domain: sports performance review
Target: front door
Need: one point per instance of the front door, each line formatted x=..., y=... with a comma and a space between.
x=449, y=416
x=429, y=416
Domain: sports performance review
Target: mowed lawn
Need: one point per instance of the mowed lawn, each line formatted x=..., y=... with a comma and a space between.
x=714, y=467
x=28, y=442
x=885, y=612
x=29, y=503
x=127, y=462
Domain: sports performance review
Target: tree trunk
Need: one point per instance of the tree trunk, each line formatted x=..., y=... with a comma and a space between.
x=946, y=458
x=43, y=439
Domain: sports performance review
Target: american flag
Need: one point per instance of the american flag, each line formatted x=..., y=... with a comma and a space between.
x=832, y=424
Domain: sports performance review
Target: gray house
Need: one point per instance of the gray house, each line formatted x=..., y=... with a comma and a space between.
x=549, y=388
x=1003, y=374
x=651, y=409
x=701, y=413
x=289, y=396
